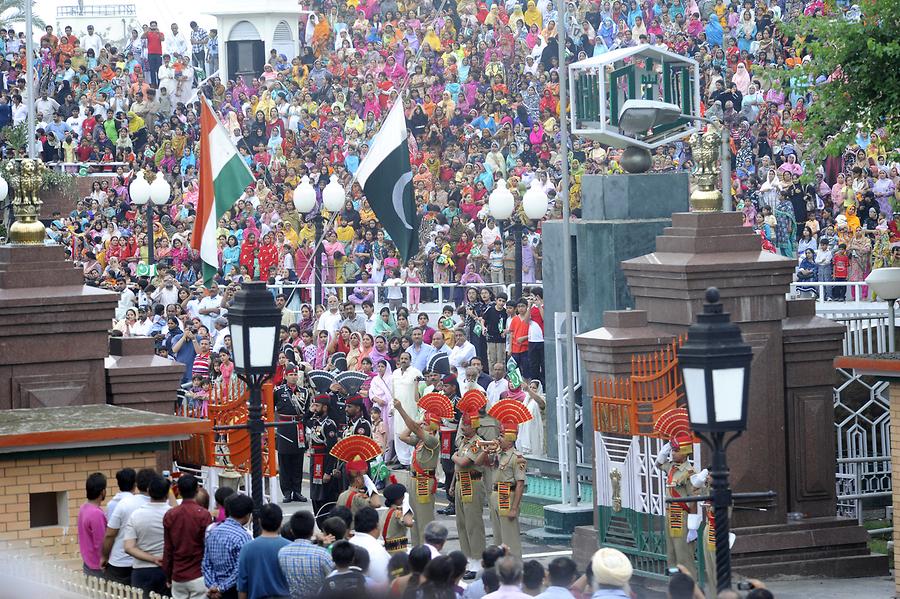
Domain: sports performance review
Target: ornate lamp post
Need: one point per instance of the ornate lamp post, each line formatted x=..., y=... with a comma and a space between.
x=150, y=189
x=501, y=205
x=23, y=177
x=715, y=366
x=254, y=321
x=305, y=203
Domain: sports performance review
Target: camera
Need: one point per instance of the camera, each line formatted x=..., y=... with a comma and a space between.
x=745, y=585
x=672, y=571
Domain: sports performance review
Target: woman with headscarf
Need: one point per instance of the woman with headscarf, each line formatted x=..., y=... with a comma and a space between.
x=531, y=435
x=785, y=227
x=608, y=32
x=746, y=31
x=533, y=16
x=741, y=78
x=715, y=35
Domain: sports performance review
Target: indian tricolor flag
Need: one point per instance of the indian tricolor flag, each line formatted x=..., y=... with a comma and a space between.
x=223, y=178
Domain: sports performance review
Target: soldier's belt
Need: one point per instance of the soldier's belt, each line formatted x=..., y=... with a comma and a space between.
x=465, y=478
x=395, y=544
x=425, y=485
x=287, y=418
x=507, y=486
x=504, y=500
x=422, y=474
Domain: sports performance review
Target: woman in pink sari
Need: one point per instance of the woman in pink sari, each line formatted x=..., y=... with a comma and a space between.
x=380, y=395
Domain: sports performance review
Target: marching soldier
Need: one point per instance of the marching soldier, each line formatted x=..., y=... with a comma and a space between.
x=291, y=406
x=324, y=475
x=508, y=473
x=449, y=426
x=468, y=493
x=356, y=451
x=700, y=483
x=426, y=454
x=396, y=523
x=681, y=527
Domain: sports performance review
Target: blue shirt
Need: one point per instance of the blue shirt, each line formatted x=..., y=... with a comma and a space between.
x=220, y=560
x=259, y=574
x=556, y=593
x=305, y=566
x=420, y=356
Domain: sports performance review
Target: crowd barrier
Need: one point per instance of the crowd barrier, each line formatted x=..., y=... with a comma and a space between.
x=32, y=576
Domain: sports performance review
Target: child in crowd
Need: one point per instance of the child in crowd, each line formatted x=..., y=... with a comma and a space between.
x=840, y=272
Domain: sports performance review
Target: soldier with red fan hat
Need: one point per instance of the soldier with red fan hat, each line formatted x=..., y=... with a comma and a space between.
x=292, y=402
x=356, y=451
x=468, y=493
x=507, y=472
x=682, y=522
x=426, y=454
x=324, y=475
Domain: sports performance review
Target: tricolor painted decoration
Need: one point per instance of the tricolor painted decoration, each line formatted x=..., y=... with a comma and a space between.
x=223, y=178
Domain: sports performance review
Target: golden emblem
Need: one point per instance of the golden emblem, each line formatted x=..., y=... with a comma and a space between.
x=615, y=478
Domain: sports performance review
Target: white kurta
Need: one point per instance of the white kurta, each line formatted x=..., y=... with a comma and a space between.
x=405, y=383
x=531, y=434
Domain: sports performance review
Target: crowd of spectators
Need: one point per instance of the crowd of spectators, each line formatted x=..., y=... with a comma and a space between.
x=162, y=537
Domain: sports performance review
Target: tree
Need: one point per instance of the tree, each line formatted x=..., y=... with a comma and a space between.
x=12, y=12
x=854, y=72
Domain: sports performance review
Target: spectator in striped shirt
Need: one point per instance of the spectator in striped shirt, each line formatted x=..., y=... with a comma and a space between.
x=202, y=359
x=223, y=548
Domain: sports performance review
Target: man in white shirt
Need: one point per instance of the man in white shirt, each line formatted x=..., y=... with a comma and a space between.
x=405, y=382
x=141, y=328
x=498, y=385
x=92, y=41
x=167, y=294
x=219, y=333
x=439, y=345
x=367, y=528
x=329, y=320
x=125, y=480
x=369, y=310
x=509, y=571
x=143, y=539
x=46, y=106
x=118, y=563
x=461, y=354
x=210, y=306
x=177, y=43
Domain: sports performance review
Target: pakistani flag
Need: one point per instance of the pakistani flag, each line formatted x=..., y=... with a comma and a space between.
x=223, y=178
x=386, y=177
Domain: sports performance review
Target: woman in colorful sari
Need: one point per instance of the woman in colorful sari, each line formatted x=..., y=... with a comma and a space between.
x=860, y=250
x=785, y=227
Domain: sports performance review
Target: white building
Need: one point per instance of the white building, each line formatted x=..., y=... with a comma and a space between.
x=249, y=30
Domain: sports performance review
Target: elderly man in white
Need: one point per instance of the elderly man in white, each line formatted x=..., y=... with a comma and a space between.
x=461, y=354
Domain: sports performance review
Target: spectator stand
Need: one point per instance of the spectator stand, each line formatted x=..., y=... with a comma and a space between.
x=209, y=455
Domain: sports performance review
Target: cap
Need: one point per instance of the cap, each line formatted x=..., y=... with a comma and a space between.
x=611, y=567
x=355, y=400
x=393, y=493
x=322, y=398
x=682, y=442
x=291, y=368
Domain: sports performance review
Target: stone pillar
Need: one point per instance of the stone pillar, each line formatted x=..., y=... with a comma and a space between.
x=701, y=250
x=810, y=343
x=53, y=330
x=137, y=378
x=621, y=217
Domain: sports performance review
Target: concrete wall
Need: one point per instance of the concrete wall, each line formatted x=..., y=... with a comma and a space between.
x=621, y=217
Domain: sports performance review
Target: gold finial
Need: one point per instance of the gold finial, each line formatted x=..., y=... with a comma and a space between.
x=24, y=178
x=705, y=150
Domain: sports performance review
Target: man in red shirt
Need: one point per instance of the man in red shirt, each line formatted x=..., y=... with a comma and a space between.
x=518, y=334
x=184, y=531
x=536, y=335
x=154, y=38
x=840, y=272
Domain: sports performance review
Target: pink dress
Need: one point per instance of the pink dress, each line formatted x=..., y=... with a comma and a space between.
x=412, y=276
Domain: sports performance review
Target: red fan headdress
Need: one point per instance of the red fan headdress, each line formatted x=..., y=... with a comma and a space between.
x=436, y=406
x=471, y=404
x=510, y=414
x=356, y=451
x=675, y=425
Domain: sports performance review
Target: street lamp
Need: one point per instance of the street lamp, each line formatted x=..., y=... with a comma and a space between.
x=333, y=196
x=501, y=205
x=305, y=203
x=254, y=321
x=150, y=189
x=885, y=282
x=639, y=116
x=715, y=366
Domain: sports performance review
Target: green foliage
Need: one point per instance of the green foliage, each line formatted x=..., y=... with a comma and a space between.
x=12, y=12
x=15, y=136
x=862, y=60
x=51, y=179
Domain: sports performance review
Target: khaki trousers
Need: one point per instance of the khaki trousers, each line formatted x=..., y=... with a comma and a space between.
x=469, y=521
x=506, y=529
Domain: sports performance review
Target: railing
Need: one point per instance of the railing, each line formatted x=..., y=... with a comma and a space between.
x=32, y=576
x=865, y=478
x=106, y=168
x=854, y=291
x=96, y=10
x=446, y=294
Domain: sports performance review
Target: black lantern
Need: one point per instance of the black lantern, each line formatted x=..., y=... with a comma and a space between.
x=254, y=321
x=715, y=367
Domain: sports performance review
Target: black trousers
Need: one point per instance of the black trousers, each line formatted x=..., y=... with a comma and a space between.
x=290, y=473
x=199, y=59
x=154, y=60
x=120, y=574
x=536, y=360
x=150, y=580
x=448, y=466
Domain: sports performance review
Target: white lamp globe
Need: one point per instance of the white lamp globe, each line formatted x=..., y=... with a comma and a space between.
x=304, y=196
x=160, y=190
x=4, y=189
x=333, y=195
x=139, y=190
x=535, y=201
x=501, y=202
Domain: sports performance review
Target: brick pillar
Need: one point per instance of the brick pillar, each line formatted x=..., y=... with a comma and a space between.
x=895, y=467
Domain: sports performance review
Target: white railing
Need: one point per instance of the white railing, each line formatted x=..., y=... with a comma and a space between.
x=446, y=293
x=853, y=291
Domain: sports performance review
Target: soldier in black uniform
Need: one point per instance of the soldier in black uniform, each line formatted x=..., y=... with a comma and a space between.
x=292, y=408
x=449, y=387
x=325, y=477
x=337, y=403
x=357, y=419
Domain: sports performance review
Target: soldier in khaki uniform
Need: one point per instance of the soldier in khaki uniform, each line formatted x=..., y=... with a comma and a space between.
x=508, y=474
x=396, y=525
x=468, y=493
x=356, y=450
x=425, y=458
x=681, y=522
